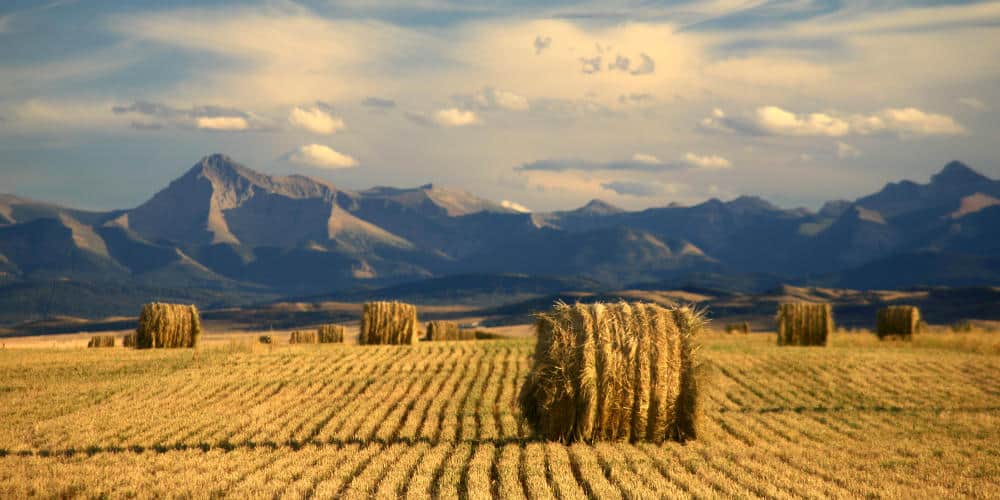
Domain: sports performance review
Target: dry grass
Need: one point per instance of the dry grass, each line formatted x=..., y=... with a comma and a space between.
x=804, y=323
x=168, y=325
x=330, y=334
x=622, y=371
x=442, y=330
x=897, y=321
x=388, y=323
x=101, y=341
x=863, y=418
x=300, y=337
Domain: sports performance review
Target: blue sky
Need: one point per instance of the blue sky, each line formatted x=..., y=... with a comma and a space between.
x=544, y=105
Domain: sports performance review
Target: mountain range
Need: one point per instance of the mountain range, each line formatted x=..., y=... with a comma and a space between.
x=224, y=234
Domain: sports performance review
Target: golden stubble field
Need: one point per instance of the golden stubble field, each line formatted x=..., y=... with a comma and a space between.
x=857, y=418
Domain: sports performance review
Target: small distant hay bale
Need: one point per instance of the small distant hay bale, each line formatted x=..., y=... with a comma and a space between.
x=265, y=339
x=330, y=334
x=101, y=341
x=168, y=325
x=442, y=330
x=619, y=371
x=128, y=340
x=804, y=324
x=298, y=337
x=743, y=327
x=897, y=321
x=389, y=323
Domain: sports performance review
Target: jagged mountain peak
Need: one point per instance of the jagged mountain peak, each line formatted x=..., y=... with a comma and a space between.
x=958, y=173
x=598, y=207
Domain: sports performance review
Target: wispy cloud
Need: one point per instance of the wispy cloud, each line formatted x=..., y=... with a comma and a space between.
x=315, y=119
x=639, y=162
x=320, y=156
x=772, y=120
x=455, y=117
x=217, y=118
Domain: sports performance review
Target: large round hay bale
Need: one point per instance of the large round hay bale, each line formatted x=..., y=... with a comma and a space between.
x=804, y=324
x=101, y=341
x=388, y=323
x=300, y=337
x=330, y=334
x=615, y=371
x=897, y=321
x=167, y=325
x=443, y=330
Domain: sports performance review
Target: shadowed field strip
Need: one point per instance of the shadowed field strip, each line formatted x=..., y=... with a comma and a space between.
x=441, y=420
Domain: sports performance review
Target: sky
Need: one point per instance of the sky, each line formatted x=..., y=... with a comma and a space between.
x=541, y=105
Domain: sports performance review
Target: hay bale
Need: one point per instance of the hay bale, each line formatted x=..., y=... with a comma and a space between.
x=298, y=337
x=330, y=334
x=467, y=334
x=168, y=325
x=442, y=330
x=389, y=323
x=621, y=371
x=101, y=341
x=743, y=327
x=804, y=323
x=128, y=340
x=897, y=321
x=265, y=339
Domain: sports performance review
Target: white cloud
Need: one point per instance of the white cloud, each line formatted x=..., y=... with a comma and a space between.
x=490, y=97
x=318, y=155
x=646, y=158
x=315, y=120
x=974, y=103
x=845, y=150
x=454, y=117
x=515, y=206
x=911, y=121
x=780, y=122
x=772, y=120
x=707, y=161
x=226, y=123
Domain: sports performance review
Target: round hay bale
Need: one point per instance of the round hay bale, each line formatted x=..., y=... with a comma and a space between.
x=613, y=372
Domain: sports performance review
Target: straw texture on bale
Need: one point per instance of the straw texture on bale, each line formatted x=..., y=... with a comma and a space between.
x=298, y=337
x=168, y=325
x=467, y=335
x=330, y=334
x=442, y=330
x=101, y=341
x=389, y=323
x=620, y=371
x=128, y=340
x=804, y=323
x=897, y=321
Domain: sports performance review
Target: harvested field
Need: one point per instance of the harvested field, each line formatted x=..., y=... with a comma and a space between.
x=861, y=418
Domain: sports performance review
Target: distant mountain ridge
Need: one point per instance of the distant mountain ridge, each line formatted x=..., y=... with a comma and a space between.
x=230, y=231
